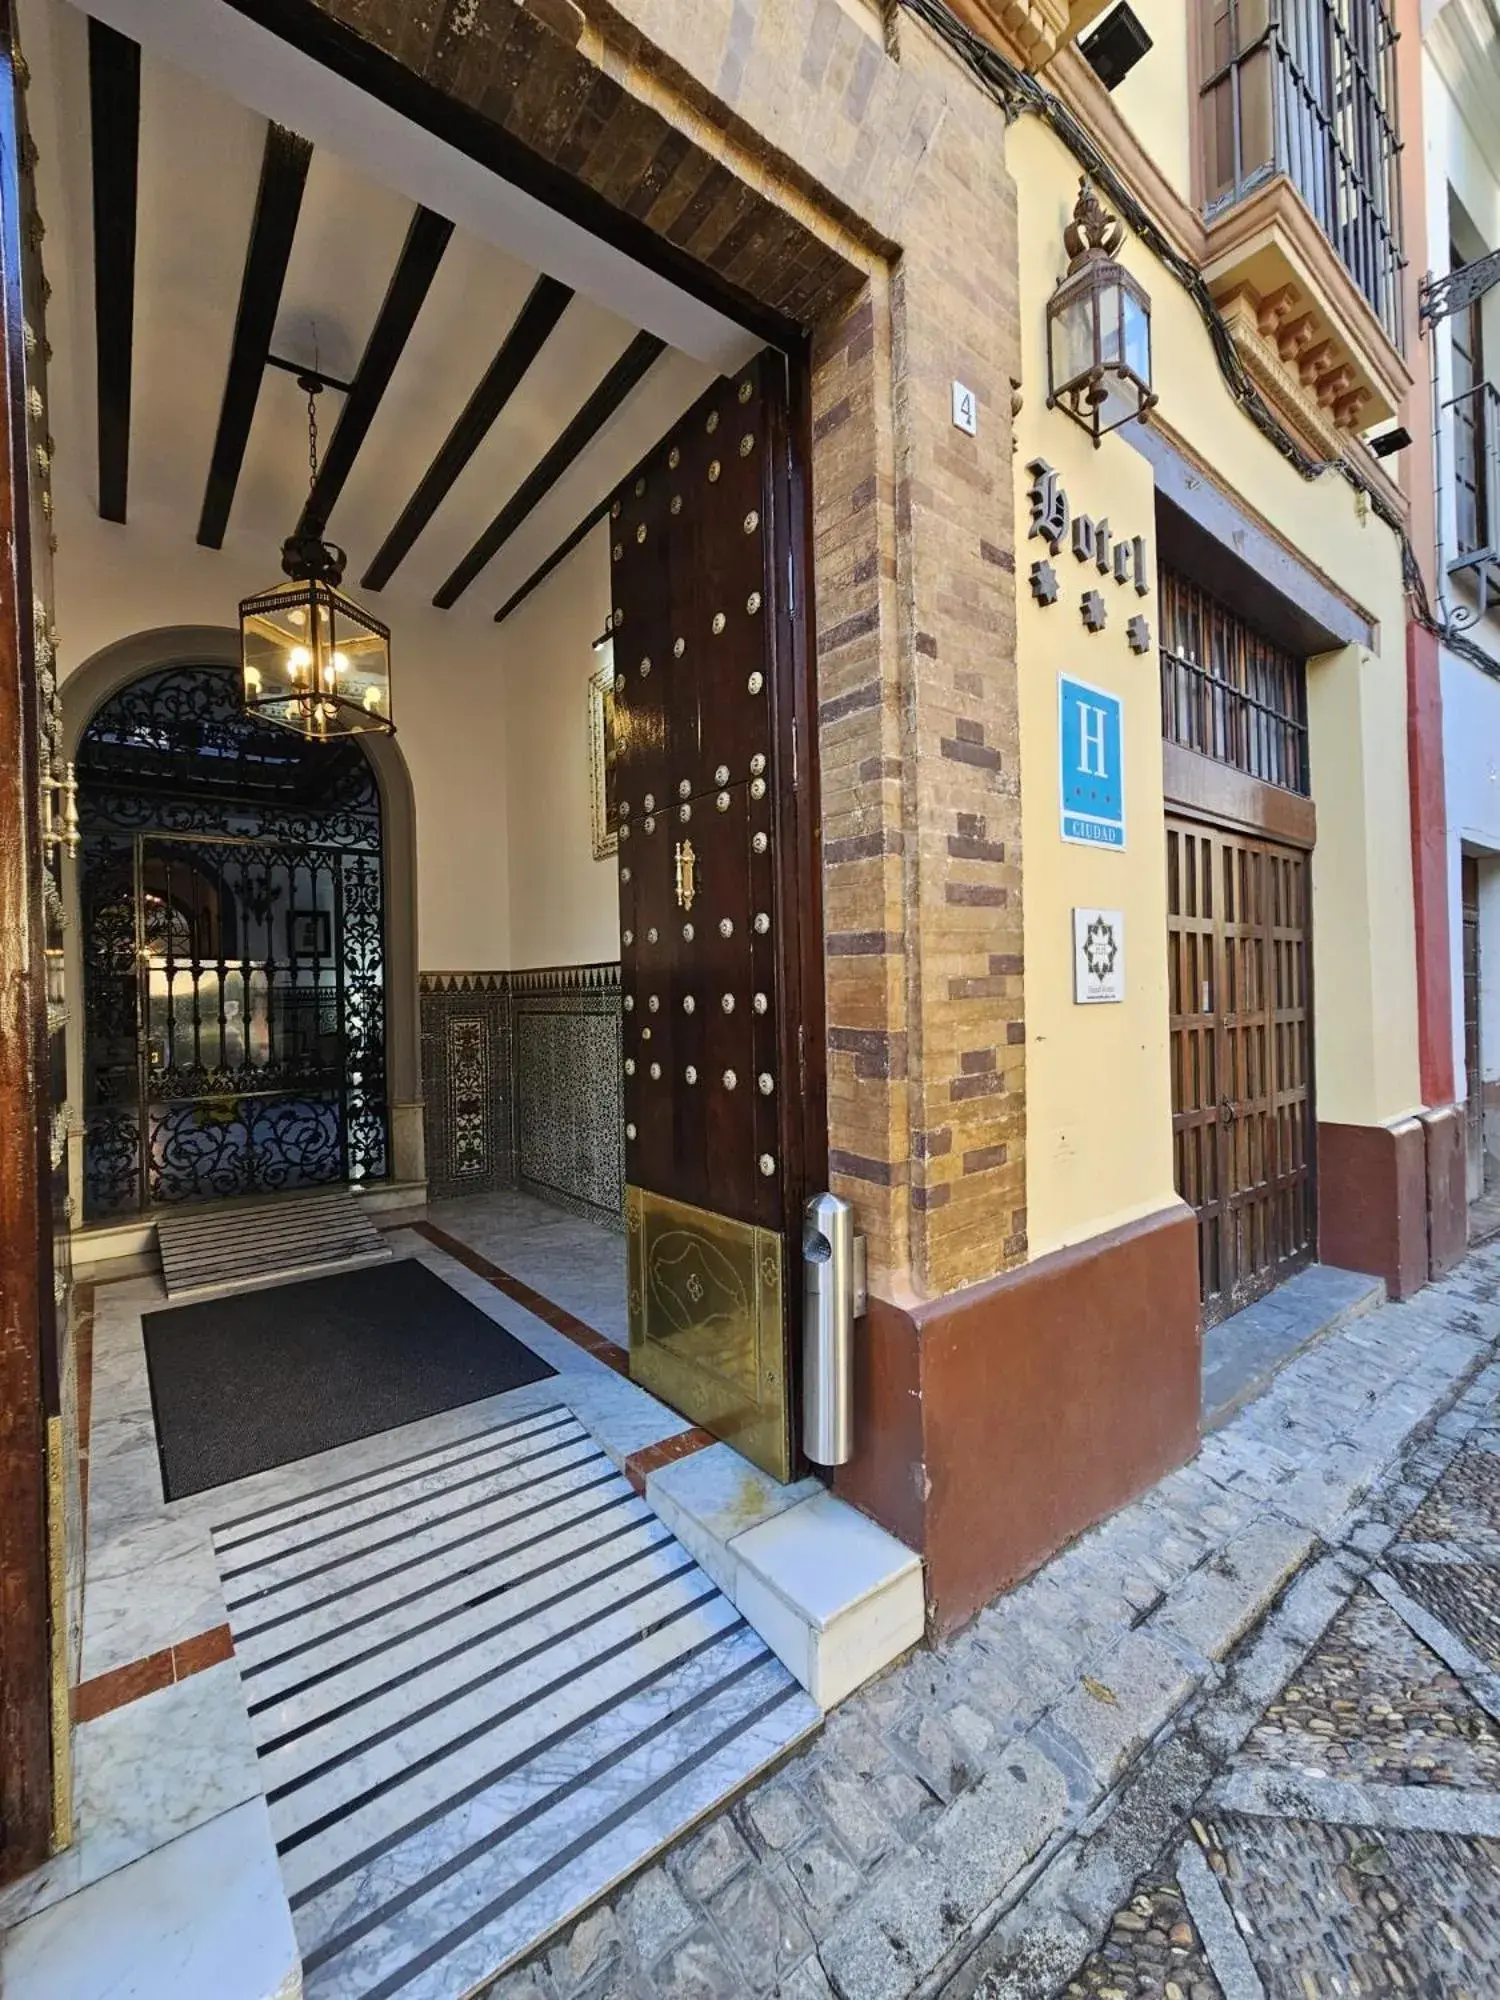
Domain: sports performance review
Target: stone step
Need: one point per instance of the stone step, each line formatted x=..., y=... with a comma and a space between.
x=1242, y=1353
x=210, y=1249
x=833, y=1594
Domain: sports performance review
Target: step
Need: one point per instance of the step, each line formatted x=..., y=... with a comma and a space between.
x=832, y=1593
x=1243, y=1353
x=127, y=1247
x=208, y=1250
x=485, y=1685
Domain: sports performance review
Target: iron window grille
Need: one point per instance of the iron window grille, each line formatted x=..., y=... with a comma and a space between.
x=1474, y=410
x=1229, y=693
x=1476, y=482
x=1307, y=88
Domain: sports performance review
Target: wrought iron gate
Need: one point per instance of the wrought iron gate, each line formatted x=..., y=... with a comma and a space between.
x=233, y=953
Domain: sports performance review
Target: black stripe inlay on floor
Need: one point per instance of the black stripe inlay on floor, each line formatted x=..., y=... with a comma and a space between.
x=457, y=1611
x=589, y=1455
x=363, y=1699
x=467, y=1736
x=528, y=1815
x=389, y=1842
x=431, y=1555
x=417, y=1500
x=390, y=1486
x=518, y=1890
x=395, y=1465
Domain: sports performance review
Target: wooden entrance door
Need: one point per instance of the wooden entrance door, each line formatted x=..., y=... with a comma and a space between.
x=1473, y=1071
x=39, y=1622
x=1239, y=967
x=717, y=906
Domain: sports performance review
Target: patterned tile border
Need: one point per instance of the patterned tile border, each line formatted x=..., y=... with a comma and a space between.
x=120, y=1685
x=522, y=1084
x=557, y=1317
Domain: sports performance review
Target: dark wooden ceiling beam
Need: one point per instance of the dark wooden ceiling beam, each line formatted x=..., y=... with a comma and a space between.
x=590, y=420
x=283, y=177
x=115, y=133
x=417, y=266
x=544, y=307
x=563, y=550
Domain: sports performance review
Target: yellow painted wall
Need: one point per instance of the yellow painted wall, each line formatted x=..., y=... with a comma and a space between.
x=1098, y=1134
x=564, y=905
x=1097, y=1080
x=1155, y=98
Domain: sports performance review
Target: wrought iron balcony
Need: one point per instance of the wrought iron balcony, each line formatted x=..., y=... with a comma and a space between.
x=1475, y=442
x=1307, y=88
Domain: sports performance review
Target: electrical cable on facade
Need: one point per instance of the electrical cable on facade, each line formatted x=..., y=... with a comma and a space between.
x=1018, y=93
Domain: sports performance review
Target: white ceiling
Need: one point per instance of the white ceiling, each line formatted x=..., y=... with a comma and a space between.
x=200, y=155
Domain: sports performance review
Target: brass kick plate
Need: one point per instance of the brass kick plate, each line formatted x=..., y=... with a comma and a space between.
x=707, y=1327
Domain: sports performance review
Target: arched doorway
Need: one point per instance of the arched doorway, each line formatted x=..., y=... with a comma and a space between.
x=233, y=937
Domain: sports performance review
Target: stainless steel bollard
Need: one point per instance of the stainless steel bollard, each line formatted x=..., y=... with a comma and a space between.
x=828, y=1330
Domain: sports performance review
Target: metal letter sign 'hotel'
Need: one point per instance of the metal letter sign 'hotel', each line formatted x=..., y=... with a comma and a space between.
x=1091, y=746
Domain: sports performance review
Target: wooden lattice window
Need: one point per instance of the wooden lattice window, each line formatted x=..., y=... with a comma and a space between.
x=1227, y=691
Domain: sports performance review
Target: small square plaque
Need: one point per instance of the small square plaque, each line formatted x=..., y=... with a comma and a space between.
x=1098, y=956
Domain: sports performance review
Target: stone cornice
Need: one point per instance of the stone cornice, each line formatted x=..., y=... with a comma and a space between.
x=1030, y=32
x=1305, y=330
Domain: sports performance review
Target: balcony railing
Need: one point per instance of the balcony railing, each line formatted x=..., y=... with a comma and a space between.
x=1475, y=440
x=1307, y=88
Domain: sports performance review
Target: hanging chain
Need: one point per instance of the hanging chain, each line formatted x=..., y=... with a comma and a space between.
x=312, y=432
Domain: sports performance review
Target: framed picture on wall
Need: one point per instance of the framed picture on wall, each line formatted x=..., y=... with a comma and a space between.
x=311, y=934
x=603, y=753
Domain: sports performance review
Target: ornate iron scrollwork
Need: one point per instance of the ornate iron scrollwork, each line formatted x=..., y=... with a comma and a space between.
x=1438, y=297
x=234, y=951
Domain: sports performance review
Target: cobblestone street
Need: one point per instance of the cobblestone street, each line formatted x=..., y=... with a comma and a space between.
x=1239, y=1743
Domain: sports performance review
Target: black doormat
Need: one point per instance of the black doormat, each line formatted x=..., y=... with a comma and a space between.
x=261, y=1378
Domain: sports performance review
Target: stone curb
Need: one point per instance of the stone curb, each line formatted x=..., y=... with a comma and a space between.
x=1225, y=1949
x=1272, y=1794
x=1477, y=1678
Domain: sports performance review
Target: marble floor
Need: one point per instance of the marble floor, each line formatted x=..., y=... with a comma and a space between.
x=422, y=1698
x=577, y=1262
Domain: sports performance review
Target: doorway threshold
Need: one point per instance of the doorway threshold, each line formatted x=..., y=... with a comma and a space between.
x=1242, y=1353
x=414, y=1704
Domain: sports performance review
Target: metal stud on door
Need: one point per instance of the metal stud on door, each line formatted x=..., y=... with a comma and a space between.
x=706, y=802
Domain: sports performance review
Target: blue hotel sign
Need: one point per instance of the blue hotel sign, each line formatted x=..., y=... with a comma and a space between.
x=1090, y=739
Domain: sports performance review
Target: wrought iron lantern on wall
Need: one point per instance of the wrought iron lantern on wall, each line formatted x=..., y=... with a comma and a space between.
x=1098, y=327
x=312, y=659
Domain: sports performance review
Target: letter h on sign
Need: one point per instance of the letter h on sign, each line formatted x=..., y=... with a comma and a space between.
x=1091, y=746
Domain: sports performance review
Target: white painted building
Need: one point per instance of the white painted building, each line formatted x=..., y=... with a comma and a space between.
x=1461, y=126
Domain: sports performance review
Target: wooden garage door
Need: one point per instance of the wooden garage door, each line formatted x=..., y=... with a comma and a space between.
x=1239, y=957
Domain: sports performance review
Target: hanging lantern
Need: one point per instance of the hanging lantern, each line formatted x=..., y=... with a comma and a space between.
x=312, y=659
x=1098, y=327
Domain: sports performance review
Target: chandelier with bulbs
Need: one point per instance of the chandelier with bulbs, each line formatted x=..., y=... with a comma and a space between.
x=311, y=659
